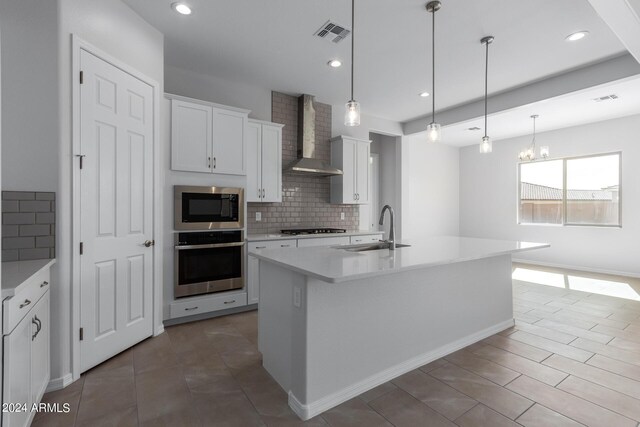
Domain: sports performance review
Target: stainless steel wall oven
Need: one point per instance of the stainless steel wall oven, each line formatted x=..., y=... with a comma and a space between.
x=210, y=261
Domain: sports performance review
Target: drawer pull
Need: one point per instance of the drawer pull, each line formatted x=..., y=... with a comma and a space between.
x=261, y=247
x=43, y=284
x=191, y=308
x=38, y=324
x=230, y=302
x=285, y=246
x=25, y=303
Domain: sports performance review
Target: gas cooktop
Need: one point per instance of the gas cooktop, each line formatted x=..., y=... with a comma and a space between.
x=320, y=230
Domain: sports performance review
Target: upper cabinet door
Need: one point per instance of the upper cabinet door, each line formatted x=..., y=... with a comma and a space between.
x=271, y=163
x=362, y=172
x=229, y=141
x=191, y=137
x=350, y=176
x=254, y=171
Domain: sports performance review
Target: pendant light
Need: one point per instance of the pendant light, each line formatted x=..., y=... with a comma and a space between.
x=352, y=108
x=529, y=153
x=486, y=145
x=433, y=130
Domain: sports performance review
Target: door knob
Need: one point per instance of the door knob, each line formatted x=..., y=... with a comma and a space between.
x=149, y=243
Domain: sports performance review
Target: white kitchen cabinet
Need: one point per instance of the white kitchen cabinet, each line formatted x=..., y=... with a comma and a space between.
x=25, y=311
x=191, y=136
x=264, y=161
x=351, y=155
x=323, y=241
x=369, y=238
x=253, y=266
x=207, y=137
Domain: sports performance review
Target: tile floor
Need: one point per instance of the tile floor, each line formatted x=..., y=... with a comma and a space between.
x=572, y=359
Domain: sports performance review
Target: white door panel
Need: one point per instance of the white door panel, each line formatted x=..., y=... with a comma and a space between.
x=228, y=141
x=191, y=135
x=362, y=171
x=271, y=169
x=116, y=217
x=254, y=171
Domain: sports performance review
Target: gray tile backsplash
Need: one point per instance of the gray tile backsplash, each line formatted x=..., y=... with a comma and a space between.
x=305, y=199
x=28, y=225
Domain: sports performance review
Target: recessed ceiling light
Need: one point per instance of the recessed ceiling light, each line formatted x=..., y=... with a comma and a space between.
x=578, y=35
x=424, y=94
x=334, y=63
x=181, y=8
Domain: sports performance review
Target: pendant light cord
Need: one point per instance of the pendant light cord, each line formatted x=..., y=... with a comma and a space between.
x=353, y=7
x=433, y=66
x=486, y=85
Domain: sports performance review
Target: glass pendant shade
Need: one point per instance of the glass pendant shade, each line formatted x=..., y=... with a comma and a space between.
x=486, y=146
x=433, y=132
x=544, y=151
x=352, y=113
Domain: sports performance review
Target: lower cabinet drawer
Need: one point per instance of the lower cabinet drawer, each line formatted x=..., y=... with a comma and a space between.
x=206, y=304
x=15, y=308
x=323, y=241
x=272, y=244
x=366, y=239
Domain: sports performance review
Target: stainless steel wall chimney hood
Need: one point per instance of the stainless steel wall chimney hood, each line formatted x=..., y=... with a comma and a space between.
x=307, y=163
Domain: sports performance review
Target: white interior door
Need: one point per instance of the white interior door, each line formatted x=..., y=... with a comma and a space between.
x=116, y=210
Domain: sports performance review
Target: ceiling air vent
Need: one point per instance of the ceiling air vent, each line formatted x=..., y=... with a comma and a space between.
x=606, y=98
x=332, y=32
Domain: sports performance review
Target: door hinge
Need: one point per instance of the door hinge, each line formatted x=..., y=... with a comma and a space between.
x=81, y=334
x=81, y=248
x=81, y=77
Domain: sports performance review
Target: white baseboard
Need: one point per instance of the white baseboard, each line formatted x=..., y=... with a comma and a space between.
x=59, y=383
x=578, y=268
x=312, y=409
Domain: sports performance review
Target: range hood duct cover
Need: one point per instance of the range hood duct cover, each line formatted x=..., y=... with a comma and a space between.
x=307, y=163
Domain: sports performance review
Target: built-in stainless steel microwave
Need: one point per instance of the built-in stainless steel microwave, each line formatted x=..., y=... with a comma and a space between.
x=207, y=208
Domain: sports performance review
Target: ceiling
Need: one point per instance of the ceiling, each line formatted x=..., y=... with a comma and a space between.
x=270, y=44
x=573, y=109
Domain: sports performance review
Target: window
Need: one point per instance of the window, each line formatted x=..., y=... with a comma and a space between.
x=571, y=191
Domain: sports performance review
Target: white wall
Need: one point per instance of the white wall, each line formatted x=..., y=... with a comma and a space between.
x=114, y=28
x=386, y=147
x=30, y=101
x=430, y=201
x=214, y=89
x=488, y=198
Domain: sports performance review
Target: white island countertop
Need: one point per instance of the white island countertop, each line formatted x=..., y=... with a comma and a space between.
x=16, y=273
x=335, y=265
x=280, y=236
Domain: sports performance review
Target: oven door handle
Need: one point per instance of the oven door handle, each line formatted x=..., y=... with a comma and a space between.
x=213, y=245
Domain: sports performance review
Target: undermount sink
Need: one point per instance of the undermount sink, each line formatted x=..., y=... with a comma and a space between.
x=369, y=246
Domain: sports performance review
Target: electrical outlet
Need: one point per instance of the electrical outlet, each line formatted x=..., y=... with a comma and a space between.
x=296, y=296
x=258, y=216
x=342, y=216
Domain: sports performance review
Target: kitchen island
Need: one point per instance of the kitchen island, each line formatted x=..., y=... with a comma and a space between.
x=334, y=323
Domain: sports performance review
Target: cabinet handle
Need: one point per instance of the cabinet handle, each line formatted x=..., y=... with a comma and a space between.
x=191, y=308
x=230, y=302
x=259, y=196
x=209, y=162
x=214, y=162
x=25, y=303
x=261, y=247
x=263, y=193
x=43, y=284
x=285, y=246
x=35, y=334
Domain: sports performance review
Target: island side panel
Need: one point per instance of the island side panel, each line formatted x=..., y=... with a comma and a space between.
x=282, y=326
x=365, y=332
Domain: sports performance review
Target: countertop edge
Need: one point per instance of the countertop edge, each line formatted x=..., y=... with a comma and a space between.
x=330, y=279
x=265, y=238
x=12, y=291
